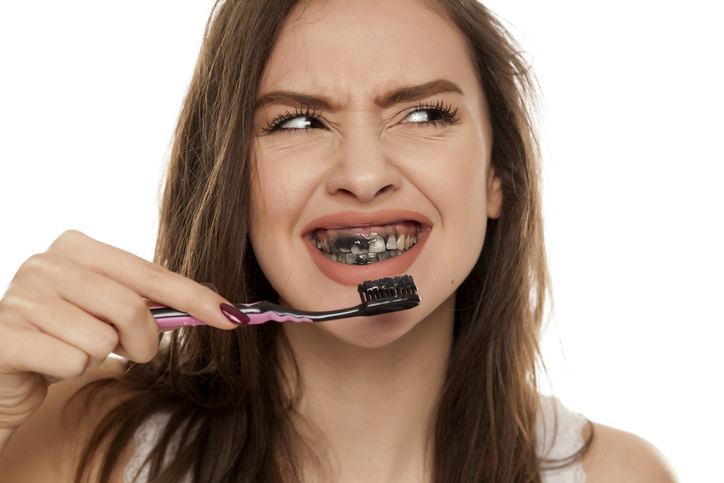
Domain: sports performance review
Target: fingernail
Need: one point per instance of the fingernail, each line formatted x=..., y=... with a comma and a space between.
x=234, y=314
x=211, y=286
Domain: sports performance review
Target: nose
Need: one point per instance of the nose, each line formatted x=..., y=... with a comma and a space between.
x=363, y=170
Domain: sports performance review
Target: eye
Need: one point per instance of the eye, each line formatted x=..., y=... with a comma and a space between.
x=301, y=122
x=297, y=121
x=427, y=115
x=437, y=113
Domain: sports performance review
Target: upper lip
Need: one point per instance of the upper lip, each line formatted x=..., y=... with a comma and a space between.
x=351, y=219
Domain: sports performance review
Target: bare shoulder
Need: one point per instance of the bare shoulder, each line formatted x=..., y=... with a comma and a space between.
x=616, y=455
x=48, y=446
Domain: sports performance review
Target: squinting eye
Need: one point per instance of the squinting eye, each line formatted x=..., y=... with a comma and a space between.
x=424, y=115
x=301, y=122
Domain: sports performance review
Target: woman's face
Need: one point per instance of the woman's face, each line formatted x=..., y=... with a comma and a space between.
x=371, y=127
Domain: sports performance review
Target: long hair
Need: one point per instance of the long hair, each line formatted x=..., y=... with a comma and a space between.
x=229, y=409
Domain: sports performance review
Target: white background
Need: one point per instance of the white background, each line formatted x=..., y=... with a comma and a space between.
x=90, y=91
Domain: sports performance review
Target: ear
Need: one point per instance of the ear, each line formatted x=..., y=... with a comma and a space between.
x=495, y=194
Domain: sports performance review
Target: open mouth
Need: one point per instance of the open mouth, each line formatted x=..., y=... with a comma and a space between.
x=366, y=245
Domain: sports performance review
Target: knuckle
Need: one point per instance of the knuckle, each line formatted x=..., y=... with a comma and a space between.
x=202, y=293
x=10, y=306
x=36, y=272
x=14, y=308
x=125, y=311
x=154, y=273
x=141, y=349
x=106, y=343
x=135, y=311
x=148, y=353
x=74, y=365
x=83, y=277
x=66, y=239
x=33, y=265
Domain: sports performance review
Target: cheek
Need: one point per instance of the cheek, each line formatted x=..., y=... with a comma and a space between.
x=278, y=195
x=463, y=208
x=452, y=176
x=270, y=212
x=280, y=191
x=468, y=200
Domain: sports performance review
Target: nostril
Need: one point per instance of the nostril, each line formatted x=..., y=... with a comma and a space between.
x=363, y=180
x=386, y=189
x=346, y=193
x=351, y=194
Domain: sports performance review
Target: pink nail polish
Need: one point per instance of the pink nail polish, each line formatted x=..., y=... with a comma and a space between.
x=234, y=314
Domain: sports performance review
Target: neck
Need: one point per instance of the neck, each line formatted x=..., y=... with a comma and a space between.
x=369, y=412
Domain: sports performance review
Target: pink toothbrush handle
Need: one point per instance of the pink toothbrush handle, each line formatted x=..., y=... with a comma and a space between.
x=186, y=321
x=180, y=321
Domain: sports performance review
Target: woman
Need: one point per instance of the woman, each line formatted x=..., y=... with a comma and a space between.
x=307, y=121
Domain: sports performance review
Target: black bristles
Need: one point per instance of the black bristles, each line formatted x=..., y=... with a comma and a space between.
x=386, y=287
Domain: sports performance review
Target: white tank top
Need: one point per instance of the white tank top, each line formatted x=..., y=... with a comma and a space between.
x=558, y=436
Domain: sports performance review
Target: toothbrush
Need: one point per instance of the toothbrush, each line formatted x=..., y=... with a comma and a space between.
x=379, y=296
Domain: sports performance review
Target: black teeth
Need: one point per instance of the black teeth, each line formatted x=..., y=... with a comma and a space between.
x=361, y=249
x=362, y=259
x=386, y=287
x=346, y=244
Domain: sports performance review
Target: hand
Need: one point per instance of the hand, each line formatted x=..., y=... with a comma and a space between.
x=67, y=309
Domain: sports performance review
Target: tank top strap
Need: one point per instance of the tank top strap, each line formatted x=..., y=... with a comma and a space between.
x=558, y=437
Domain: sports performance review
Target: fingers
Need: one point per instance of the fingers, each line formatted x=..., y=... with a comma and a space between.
x=91, y=299
x=50, y=356
x=146, y=279
x=67, y=309
x=56, y=296
x=127, y=320
x=68, y=323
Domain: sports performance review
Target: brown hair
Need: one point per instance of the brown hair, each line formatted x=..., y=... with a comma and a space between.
x=228, y=410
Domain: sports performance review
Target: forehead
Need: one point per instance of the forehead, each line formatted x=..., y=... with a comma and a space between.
x=350, y=49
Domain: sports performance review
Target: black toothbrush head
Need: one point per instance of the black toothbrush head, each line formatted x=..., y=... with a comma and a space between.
x=383, y=288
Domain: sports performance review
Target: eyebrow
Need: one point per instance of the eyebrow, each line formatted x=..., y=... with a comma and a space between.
x=288, y=98
x=417, y=93
x=398, y=96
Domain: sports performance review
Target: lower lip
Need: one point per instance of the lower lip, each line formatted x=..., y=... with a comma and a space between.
x=355, y=274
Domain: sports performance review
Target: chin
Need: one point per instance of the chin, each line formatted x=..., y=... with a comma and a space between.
x=359, y=332
x=371, y=332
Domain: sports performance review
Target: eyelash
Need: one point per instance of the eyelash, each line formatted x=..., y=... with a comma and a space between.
x=282, y=118
x=446, y=111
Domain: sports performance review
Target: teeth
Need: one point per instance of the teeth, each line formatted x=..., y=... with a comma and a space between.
x=360, y=250
x=377, y=245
